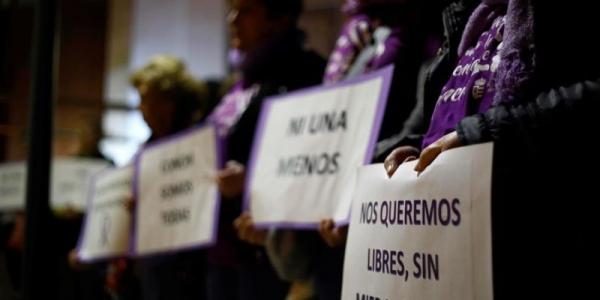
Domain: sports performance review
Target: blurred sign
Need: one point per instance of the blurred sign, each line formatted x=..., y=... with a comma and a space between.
x=176, y=192
x=108, y=221
x=307, y=147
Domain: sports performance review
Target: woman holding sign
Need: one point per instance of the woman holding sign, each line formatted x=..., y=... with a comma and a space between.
x=171, y=101
x=377, y=34
x=265, y=32
x=536, y=97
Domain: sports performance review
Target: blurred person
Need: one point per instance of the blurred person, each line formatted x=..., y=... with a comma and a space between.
x=271, y=59
x=378, y=33
x=171, y=101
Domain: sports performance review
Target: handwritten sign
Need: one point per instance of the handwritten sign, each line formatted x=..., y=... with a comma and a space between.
x=307, y=147
x=71, y=181
x=13, y=177
x=69, y=184
x=177, y=193
x=108, y=222
x=425, y=237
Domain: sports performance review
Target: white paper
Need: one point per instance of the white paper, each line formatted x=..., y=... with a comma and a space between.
x=445, y=254
x=69, y=184
x=306, y=159
x=108, y=222
x=13, y=177
x=177, y=193
x=71, y=181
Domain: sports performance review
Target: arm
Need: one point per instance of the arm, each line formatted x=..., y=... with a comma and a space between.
x=562, y=112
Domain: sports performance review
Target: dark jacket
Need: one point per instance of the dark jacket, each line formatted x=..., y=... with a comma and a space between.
x=287, y=66
x=542, y=225
x=542, y=228
x=281, y=66
x=431, y=80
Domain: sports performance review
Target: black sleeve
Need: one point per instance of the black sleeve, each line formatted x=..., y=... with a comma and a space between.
x=411, y=135
x=564, y=113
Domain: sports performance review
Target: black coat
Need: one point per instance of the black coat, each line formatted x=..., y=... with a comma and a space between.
x=544, y=187
x=542, y=218
x=431, y=81
x=288, y=67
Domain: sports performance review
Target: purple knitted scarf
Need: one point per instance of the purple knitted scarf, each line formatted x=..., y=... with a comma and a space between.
x=515, y=72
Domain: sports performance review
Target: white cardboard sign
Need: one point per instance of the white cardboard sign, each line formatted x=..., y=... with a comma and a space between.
x=177, y=198
x=308, y=145
x=108, y=221
x=425, y=237
x=69, y=184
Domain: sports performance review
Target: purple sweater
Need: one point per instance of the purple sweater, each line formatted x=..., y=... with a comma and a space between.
x=472, y=87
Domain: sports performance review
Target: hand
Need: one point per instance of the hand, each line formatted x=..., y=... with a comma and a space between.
x=69, y=213
x=399, y=156
x=129, y=203
x=333, y=236
x=16, y=240
x=74, y=262
x=231, y=179
x=432, y=151
x=247, y=232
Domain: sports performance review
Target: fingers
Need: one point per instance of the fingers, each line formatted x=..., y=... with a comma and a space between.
x=390, y=165
x=325, y=231
x=397, y=157
x=129, y=203
x=230, y=179
x=332, y=236
x=246, y=231
x=427, y=157
x=447, y=142
x=237, y=223
x=410, y=158
x=74, y=262
x=325, y=226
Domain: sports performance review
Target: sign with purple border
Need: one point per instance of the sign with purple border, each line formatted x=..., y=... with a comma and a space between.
x=176, y=192
x=422, y=236
x=107, y=224
x=307, y=148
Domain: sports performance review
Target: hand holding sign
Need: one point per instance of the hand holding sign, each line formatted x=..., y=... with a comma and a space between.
x=432, y=151
x=247, y=232
x=426, y=237
x=399, y=156
x=332, y=235
x=231, y=179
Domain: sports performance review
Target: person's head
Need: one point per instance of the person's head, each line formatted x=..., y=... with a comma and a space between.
x=170, y=98
x=386, y=12
x=253, y=22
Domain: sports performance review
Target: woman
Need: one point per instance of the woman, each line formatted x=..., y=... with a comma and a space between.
x=274, y=61
x=536, y=107
x=171, y=101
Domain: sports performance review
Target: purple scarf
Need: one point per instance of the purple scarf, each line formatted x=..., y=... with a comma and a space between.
x=515, y=72
x=356, y=34
x=255, y=66
x=468, y=92
x=517, y=63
